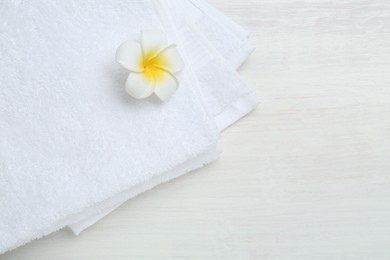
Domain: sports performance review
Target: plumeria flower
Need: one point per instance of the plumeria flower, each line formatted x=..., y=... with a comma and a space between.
x=152, y=63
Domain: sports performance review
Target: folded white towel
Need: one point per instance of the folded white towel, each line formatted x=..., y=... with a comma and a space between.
x=226, y=97
x=71, y=141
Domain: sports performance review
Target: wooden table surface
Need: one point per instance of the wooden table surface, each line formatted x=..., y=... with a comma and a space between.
x=305, y=176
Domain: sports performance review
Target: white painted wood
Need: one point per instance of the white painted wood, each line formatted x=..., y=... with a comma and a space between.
x=306, y=176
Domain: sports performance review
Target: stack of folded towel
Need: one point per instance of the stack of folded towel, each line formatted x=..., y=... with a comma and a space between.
x=73, y=145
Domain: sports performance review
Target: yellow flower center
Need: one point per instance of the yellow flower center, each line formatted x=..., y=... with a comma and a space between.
x=151, y=64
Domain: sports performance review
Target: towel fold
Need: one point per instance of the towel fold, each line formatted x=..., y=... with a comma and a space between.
x=73, y=145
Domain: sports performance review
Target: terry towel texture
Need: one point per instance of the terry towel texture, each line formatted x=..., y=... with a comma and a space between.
x=73, y=145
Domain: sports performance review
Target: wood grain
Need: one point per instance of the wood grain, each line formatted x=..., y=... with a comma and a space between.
x=305, y=176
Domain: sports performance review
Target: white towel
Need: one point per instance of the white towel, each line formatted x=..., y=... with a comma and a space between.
x=228, y=38
x=71, y=141
x=226, y=97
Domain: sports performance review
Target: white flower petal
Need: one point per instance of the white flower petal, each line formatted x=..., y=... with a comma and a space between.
x=152, y=42
x=139, y=86
x=166, y=85
x=129, y=55
x=169, y=59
